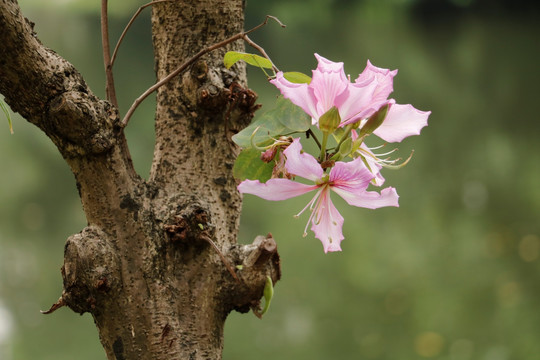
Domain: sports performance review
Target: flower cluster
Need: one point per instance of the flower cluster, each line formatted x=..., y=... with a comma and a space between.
x=345, y=113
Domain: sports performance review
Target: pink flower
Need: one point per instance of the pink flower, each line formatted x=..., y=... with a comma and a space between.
x=356, y=101
x=349, y=180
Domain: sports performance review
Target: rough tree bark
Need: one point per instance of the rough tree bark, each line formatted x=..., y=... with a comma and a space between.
x=145, y=266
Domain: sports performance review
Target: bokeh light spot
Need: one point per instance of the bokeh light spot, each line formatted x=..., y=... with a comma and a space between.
x=428, y=344
x=529, y=248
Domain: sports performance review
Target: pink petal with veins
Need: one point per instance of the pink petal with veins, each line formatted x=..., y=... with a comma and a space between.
x=328, y=82
x=327, y=223
x=382, y=77
x=302, y=164
x=402, y=121
x=369, y=199
x=299, y=94
x=275, y=189
x=356, y=103
x=351, y=176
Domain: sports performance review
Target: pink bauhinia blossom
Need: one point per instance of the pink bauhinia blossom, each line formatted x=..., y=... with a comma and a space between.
x=349, y=180
x=357, y=101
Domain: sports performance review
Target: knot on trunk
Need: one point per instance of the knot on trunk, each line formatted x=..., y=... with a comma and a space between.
x=216, y=89
x=242, y=107
x=188, y=224
x=79, y=127
x=262, y=251
x=255, y=262
x=90, y=271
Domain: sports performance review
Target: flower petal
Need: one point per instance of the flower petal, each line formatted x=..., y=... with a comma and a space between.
x=300, y=94
x=329, y=80
x=402, y=121
x=325, y=65
x=382, y=77
x=275, y=189
x=302, y=164
x=357, y=102
x=327, y=224
x=370, y=199
x=351, y=177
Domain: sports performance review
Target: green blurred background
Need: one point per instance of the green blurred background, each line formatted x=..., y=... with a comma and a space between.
x=452, y=274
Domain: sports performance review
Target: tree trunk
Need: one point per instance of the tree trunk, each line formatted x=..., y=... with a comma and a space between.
x=158, y=264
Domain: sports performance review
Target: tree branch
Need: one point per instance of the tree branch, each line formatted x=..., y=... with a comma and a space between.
x=191, y=60
x=109, y=87
x=57, y=305
x=59, y=103
x=85, y=129
x=115, y=52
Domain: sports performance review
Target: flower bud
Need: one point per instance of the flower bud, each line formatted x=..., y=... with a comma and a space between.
x=330, y=120
x=269, y=154
x=346, y=147
x=374, y=121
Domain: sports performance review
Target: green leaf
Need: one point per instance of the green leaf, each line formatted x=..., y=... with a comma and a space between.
x=291, y=116
x=232, y=57
x=248, y=165
x=297, y=77
x=260, y=131
x=284, y=118
x=8, y=115
x=268, y=294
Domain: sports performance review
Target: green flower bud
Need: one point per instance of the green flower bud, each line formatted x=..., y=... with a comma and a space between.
x=374, y=121
x=330, y=120
x=346, y=147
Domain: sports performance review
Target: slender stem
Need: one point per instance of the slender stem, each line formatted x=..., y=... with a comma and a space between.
x=109, y=86
x=190, y=61
x=182, y=67
x=57, y=305
x=261, y=50
x=323, y=147
x=113, y=58
x=264, y=23
x=309, y=133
